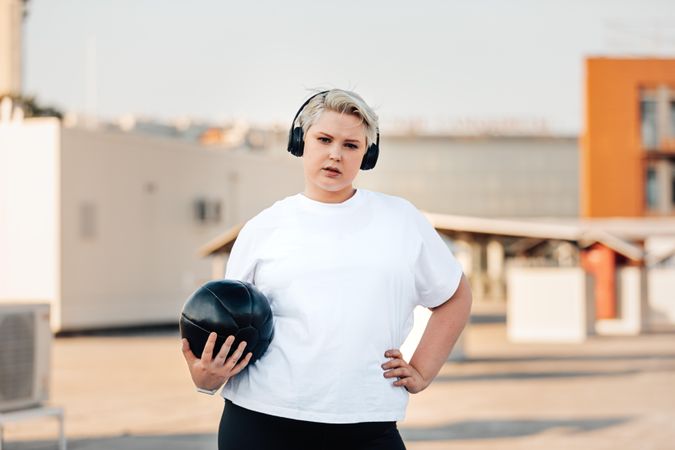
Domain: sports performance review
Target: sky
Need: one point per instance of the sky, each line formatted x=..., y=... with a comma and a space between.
x=437, y=63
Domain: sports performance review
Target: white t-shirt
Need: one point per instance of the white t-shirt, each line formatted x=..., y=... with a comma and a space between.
x=342, y=280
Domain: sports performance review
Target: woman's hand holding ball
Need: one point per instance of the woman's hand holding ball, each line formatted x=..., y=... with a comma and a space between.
x=209, y=372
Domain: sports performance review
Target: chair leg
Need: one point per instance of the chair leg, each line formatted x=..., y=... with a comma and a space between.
x=62, y=435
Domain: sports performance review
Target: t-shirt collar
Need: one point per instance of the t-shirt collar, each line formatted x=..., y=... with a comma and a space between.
x=350, y=203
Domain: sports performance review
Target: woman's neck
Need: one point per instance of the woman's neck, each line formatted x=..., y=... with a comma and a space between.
x=330, y=197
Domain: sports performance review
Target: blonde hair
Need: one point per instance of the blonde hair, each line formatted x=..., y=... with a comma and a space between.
x=340, y=101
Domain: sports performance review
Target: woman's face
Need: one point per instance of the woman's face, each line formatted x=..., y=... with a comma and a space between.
x=336, y=140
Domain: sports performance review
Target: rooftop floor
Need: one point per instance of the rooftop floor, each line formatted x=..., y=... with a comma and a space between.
x=133, y=391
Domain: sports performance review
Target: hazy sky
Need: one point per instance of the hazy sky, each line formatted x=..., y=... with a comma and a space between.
x=440, y=61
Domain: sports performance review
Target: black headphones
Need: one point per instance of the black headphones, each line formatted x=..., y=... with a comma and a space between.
x=296, y=140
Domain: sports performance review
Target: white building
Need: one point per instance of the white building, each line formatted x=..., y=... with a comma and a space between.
x=487, y=176
x=104, y=226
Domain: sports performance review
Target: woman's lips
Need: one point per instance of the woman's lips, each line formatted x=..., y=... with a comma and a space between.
x=330, y=173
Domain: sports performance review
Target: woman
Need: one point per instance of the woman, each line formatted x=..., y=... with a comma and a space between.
x=343, y=269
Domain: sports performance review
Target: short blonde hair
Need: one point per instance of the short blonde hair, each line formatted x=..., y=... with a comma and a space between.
x=340, y=101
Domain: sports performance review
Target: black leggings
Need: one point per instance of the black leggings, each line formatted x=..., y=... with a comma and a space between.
x=243, y=429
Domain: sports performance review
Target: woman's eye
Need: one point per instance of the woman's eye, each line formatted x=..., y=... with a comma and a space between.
x=324, y=139
x=352, y=146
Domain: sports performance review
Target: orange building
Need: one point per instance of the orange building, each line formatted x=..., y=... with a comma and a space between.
x=628, y=141
x=627, y=154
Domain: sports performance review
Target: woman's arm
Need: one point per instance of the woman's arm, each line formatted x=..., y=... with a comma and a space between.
x=442, y=331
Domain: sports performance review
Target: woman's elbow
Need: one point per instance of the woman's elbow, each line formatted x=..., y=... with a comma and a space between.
x=462, y=295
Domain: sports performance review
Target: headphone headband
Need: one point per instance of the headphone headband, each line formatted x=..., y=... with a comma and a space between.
x=296, y=140
x=303, y=107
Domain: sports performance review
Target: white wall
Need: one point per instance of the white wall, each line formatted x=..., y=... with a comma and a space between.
x=481, y=175
x=549, y=304
x=631, y=295
x=29, y=212
x=661, y=292
x=136, y=262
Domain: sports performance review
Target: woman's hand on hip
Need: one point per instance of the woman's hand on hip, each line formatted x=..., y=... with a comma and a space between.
x=209, y=372
x=408, y=376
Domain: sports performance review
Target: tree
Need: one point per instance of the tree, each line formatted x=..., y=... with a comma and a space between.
x=31, y=107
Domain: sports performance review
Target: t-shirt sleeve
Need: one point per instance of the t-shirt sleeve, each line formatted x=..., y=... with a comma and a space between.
x=437, y=271
x=242, y=260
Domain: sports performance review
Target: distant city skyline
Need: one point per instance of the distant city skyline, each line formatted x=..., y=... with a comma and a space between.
x=440, y=65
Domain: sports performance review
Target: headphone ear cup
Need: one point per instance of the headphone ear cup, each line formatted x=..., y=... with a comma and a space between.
x=370, y=158
x=296, y=142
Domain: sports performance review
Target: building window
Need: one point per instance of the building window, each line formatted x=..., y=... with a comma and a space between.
x=207, y=211
x=652, y=189
x=648, y=124
x=87, y=220
x=660, y=187
x=657, y=118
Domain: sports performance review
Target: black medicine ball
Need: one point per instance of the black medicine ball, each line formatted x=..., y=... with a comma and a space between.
x=228, y=307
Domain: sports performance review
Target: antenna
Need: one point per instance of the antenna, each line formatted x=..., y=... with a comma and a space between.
x=640, y=37
x=90, y=78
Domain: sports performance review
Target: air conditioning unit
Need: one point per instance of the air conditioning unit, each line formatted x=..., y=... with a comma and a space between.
x=207, y=210
x=25, y=349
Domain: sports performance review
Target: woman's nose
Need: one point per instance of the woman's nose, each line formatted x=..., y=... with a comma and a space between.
x=335, y=152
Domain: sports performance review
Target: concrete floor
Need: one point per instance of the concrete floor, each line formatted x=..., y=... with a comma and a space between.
x=133, y=391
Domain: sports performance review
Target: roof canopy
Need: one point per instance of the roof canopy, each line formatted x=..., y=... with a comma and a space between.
x=623, y=235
